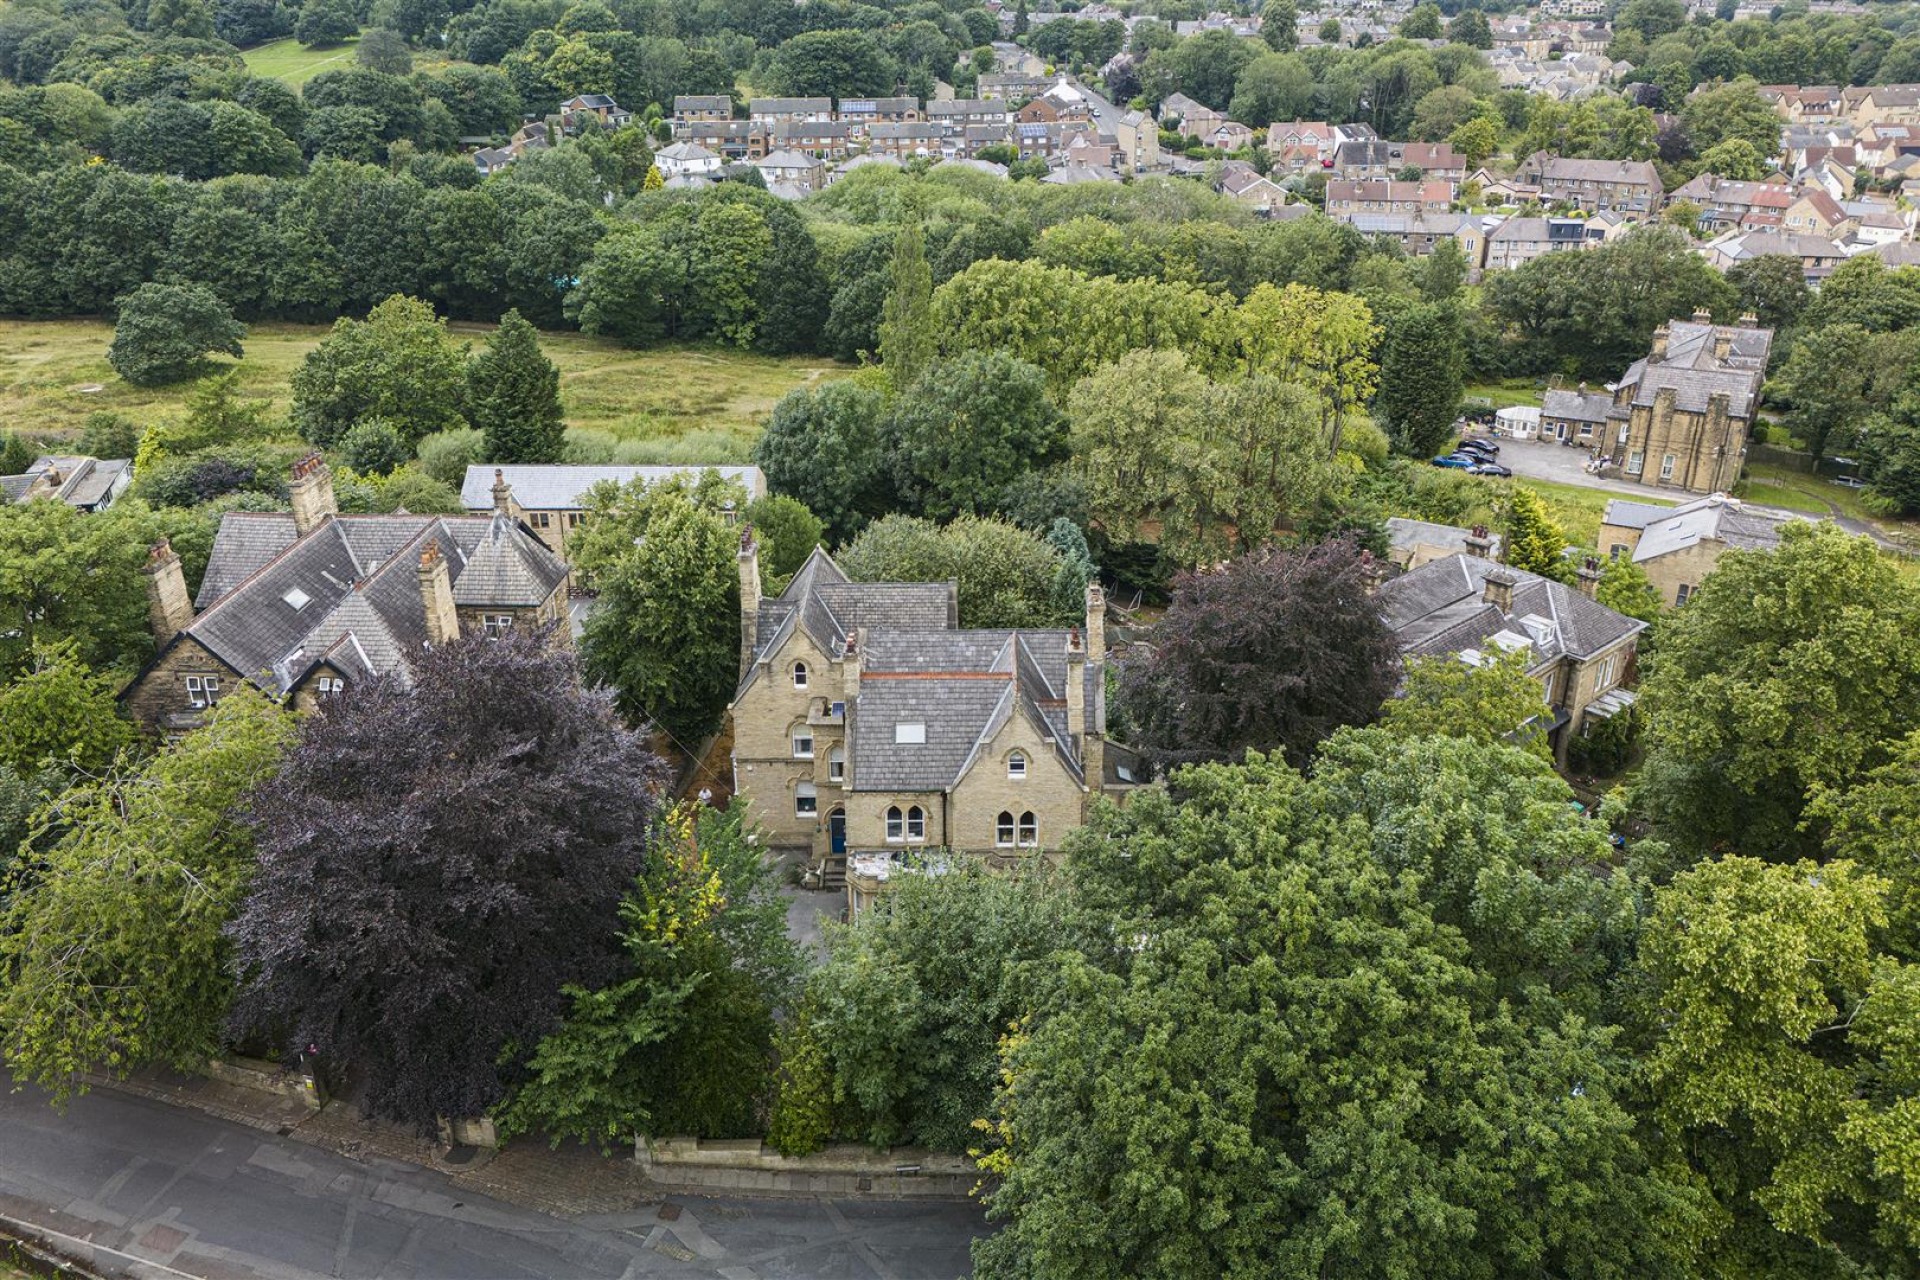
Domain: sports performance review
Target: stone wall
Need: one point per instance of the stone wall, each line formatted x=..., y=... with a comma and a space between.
x=161, y=690
x=845, y=1171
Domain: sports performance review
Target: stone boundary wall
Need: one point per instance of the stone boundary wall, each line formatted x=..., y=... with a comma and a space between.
x=846, y=1171
x=266, y=1077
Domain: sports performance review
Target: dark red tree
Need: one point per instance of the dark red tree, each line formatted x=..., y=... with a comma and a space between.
x=437, y=860
x=1274, y=651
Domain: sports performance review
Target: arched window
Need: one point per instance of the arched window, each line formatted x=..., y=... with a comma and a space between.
x=916, y=823
x=837, y=764
x=806, y=800
x=802, y=742
x=896, y=829
x=1003, y=830
x=799, y=675
x=1029, y=830
x=1017, y=766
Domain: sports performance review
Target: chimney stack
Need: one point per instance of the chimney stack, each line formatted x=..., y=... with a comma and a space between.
x=436, y=594
x=850, y=667
x=1702, y=316
x=169, y=607
x=1722, y=344
x=502, y=494
x=1096, y=622
x=1660, y=336
x=1480, y=542
x=749, y=564
x=1589, y=578
x=1076, y=686
x=311, y=492
x=1499, y=589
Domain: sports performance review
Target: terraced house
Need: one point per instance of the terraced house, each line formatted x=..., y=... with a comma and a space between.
x=867, y=721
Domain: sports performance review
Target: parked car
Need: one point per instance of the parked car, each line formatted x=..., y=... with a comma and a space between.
x=1489, y=469
x=1457, y=461
x=1849, y=482
x=1487, y=447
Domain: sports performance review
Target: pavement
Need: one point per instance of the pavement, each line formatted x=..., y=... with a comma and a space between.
x=142, y=1188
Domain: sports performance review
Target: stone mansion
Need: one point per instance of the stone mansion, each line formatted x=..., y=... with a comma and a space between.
x=866, y=721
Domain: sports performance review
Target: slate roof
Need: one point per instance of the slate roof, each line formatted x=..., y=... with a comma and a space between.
x=1716, y=517
x=1441, y=608
x=1696, y=373
x=918, y=667
x=541, y=487
x=75, y=479
x=1404, y=535
x=274, y=604
x=1576, y=406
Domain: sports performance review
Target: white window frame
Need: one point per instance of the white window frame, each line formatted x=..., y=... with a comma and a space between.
x=1017, y=766
x=1607, y=667
x=806, y=800
x=916, y=824
x=495, y=625
x=799, y=675
x=1666, y=466
x=203, y=691
x=1029, y=830
x=1636, y=462
x=1003, y=830
x=327, y=686
x=836, y=764
x=1623, y=434
x=801, y=740
x=896, y=825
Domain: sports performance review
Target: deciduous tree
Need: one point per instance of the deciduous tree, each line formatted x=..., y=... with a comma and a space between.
x=439, y=859
x=1272, y=652
x=970, y=427
x=1495, y=701
x=164, y=332
x=398, y=364
x=115, y=955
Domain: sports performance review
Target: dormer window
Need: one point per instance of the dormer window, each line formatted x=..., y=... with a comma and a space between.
x=799, y=675
x=1017, y=766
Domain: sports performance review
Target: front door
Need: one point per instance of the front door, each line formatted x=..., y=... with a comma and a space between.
x=837, y=829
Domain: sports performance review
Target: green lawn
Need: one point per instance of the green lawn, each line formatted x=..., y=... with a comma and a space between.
x=292, y=63
x=1769, y=494
x=1508, y=391
x=1575, y=508
x=693, y=404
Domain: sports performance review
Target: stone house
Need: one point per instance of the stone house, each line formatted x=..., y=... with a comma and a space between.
x=731, y=139
x=1578, y=416
x=83, y=483
x=766, y=111
x=1683, y=413
x=904, y=141
x=1679, y=546
x=1468, y=607
x=791, y=168
x=1300, y=146
x=550, y=499
x=1518, y=241
x=828, y=140
x=861, y=114
x=303, y=603
x=1628, y=186
x=1412, y=544
x=867, y=721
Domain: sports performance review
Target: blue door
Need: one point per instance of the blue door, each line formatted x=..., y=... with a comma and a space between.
x=837, y=828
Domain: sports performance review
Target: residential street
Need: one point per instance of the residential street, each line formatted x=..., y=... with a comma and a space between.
x=159, y=1191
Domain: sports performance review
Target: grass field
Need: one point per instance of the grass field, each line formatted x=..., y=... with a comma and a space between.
x=692, y=403
x=1508, y=391
x=1576, y=509
x=292, y=63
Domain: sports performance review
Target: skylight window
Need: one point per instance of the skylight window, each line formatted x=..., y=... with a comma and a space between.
x=297, y=599
x=913, y=732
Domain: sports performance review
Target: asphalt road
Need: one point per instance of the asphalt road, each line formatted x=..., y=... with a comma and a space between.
x=166, y=1192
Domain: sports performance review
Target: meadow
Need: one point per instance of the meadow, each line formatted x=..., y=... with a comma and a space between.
x=685, y=404
x=292, y=63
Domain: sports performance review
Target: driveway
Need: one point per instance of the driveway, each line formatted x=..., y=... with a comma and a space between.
x=142, y=1189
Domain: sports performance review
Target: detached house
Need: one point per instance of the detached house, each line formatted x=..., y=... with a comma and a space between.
x=866, y=722
x=84, y=483
x=304, y=603
x=1681, y=417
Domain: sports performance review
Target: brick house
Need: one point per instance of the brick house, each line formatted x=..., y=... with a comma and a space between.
x=303, y=603
x=867, y=721
x=1468, y=607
